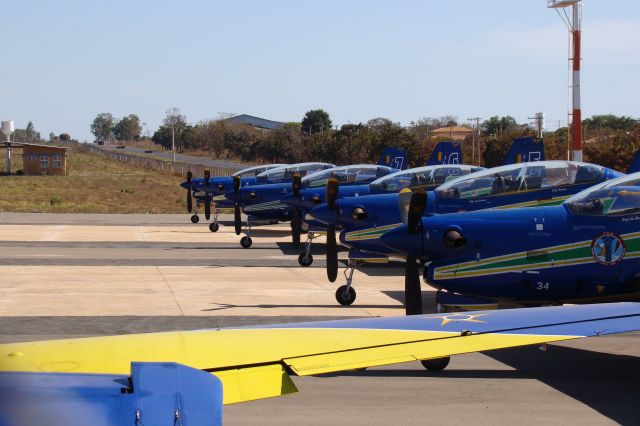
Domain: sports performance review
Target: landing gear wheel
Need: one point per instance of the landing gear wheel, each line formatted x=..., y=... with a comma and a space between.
x=344, y=297
x=304, y=260
x=246, y=242
x=195, y=218
x=436, y=364
x=213, y=227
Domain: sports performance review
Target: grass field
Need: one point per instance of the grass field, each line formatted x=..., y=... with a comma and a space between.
x=93, y=185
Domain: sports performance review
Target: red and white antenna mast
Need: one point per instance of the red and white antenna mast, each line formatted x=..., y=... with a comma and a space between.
x=574, y=25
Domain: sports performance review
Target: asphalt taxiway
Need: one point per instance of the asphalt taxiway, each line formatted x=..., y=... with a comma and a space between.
x=87, y=275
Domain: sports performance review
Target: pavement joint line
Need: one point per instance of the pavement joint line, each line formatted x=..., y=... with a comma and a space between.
x=170, y=290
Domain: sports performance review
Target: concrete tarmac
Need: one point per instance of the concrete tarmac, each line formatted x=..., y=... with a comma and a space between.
x=88, y=275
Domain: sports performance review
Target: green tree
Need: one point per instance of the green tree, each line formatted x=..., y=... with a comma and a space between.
x=316, y=121
x=128, y=128
x=30, y=133
x=65, y=137
x=498, y=125
x=609, y=121
x=102, y=126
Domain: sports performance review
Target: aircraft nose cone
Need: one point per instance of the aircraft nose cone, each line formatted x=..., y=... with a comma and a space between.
x=398, y=239
x=323, y=214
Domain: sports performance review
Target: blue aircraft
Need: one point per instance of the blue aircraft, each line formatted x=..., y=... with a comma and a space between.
x=585, y=250
x=249, y=196
x=364, y=219
x=267, y=201
x=274, y=201
x=210, y=191
x=264, y=202
x=312, y=193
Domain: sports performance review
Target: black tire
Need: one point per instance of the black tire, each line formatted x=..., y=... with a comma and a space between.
x=345, y=298
x=436, y=364
x=246, y=241
x=195, y=218
x=213, y=227
x=305, y=260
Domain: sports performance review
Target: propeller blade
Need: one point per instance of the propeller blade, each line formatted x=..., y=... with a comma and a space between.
x=412, y=290
x=332, y=254
x=296, y=227
x=237, y=219
x=404, y=199
x=236, y=184
x=207, y=175
x=296, y=184
x=416, y=209
x=207, y=206
x=189, y=200
x=331, y=193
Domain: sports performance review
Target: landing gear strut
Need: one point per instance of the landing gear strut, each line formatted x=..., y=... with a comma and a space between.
x=213, y=226
x=195, y=218
x=246, y=241
x=306, y=259
x=346, y=295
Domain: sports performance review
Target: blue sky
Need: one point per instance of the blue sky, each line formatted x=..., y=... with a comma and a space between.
x=66, y=61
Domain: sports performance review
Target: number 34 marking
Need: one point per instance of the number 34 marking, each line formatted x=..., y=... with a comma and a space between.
x=542, y=286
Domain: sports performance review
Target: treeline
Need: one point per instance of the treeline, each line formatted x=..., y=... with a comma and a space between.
x=611, y=140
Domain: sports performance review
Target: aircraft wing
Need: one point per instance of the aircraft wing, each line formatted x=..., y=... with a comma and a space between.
x=255, y=362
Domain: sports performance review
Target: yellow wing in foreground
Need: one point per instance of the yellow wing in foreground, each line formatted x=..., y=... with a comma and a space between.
x=255, y=362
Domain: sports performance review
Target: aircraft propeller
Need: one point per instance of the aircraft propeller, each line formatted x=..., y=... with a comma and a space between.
x=207, y=198
x=296, y=219
x=411, y=213
x=332, y=246
x=189, y=200
x=237, y=219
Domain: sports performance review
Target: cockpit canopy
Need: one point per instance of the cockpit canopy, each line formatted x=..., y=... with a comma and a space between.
x=521, y=177
x=286, y=172
x=354, y=174
x=256, y=170
x=422, y=177
x=616, y=197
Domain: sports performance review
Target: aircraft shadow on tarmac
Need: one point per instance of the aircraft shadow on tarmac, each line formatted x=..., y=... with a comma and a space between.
x=604, y=382
x=223, y=306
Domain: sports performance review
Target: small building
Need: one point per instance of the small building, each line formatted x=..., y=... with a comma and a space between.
x=43, y=159
x=454, y=133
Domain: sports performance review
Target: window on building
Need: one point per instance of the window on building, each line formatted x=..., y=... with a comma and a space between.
x=32, y=157
x=57, y=161
x=44, y=162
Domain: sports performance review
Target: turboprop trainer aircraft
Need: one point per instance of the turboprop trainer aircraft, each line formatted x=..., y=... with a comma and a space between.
x=585, y=250
x=210, y=191
x=281, y=203
x=364, y=219
x=313, y=193
x=262, y=200
x=184, y=378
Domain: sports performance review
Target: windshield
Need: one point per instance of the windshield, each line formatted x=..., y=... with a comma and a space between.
x=287, y=172
x=255, y=171
x=614, y=197
x=354, y=174
x=522, y=177
x=421, y=177
x=609, y=201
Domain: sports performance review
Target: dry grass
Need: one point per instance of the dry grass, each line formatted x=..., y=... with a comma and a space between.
x=93, y=185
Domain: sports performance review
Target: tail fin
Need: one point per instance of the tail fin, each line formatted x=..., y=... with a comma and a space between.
x=394, y=157
x=524, y=150
x=447, y=152
x=635, y=164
